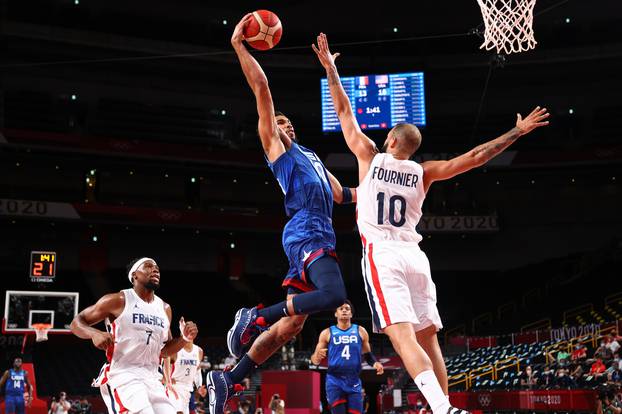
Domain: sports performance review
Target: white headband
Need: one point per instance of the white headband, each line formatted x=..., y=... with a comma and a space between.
x=136, y=265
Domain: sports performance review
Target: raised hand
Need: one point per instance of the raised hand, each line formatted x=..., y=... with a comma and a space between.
x=238, y=32
x=534, y=120
x=323, y=52
x=188, y=329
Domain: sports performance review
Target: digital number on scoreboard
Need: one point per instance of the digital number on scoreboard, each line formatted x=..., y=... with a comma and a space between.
x=42, y=266
x=378, y=101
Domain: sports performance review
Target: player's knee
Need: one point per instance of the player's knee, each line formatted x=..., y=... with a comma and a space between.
x=336, y=296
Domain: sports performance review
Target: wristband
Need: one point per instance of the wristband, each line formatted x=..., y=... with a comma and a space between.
x=347, y=195
x=370, y=359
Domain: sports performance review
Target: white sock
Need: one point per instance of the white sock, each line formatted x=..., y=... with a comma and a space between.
x=432, y=391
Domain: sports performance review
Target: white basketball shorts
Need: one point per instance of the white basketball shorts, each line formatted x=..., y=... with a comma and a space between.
x=399, y=286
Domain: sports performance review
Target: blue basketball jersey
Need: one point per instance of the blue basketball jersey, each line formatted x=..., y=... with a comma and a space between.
x=15, y=383
x=309, y=205
x=344, y=351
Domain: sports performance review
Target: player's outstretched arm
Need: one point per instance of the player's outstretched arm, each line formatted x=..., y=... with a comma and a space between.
x=321, y=349
x=360, y=144
x=257, y=80
x=367, y=354
x=480, y=155
x=341, y=195
x=108, y=306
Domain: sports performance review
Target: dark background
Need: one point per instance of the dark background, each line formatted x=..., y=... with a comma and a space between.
x=94, y=86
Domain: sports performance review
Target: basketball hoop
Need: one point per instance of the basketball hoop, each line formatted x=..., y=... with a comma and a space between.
x=508, y=25
x=41, y=329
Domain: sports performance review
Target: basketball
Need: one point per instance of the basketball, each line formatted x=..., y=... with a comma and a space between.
x=264, y=30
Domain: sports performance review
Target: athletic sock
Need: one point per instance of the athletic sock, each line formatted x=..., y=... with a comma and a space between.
x=273, y=313
x=242, y=369
x=432, y=391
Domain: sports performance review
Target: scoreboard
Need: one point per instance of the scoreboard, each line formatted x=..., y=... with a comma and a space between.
x=378, y=101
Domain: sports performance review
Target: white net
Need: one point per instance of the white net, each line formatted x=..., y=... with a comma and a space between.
x=41, y=330
x=508, y=25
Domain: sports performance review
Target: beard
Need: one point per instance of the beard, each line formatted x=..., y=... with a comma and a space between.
x=152, y=285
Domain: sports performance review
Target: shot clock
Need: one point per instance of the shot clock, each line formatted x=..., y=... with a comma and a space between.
x=42, y=266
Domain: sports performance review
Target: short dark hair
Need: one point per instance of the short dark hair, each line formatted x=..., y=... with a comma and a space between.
x=346, y=302
x=278, y=113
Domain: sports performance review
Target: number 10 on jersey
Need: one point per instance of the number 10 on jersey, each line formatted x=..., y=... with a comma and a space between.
x=397, y=222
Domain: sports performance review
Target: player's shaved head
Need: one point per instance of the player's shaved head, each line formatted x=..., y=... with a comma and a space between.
x=408, y=138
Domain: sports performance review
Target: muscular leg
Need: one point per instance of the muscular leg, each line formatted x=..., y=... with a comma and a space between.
x=418, y=364
x=404, y=340
x=429, y=342
x=274, y=338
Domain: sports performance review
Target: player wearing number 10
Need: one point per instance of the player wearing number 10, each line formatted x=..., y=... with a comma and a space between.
x=140, y=335
x=390, y=195
x=344, y=344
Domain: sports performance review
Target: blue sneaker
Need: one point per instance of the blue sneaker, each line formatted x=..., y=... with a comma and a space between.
x=219, y=390
x=245, y=329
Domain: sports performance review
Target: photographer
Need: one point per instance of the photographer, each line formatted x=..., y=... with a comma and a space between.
x=607, y=402
x=60, y=405
x=277, y=405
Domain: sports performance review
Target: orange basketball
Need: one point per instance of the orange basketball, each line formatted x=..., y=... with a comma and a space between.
x=264, y=30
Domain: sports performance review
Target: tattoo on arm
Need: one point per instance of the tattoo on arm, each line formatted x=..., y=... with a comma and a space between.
x=492, y=148
x=333, y=76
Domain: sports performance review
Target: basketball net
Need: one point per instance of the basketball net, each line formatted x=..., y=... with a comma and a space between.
x=41, y=330
x=508, y=25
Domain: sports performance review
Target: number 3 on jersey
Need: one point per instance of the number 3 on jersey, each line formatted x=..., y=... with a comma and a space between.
x=346, y=352
x=399, y=222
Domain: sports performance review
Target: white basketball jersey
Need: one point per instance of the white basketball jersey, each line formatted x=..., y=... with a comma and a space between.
x=185, y=367
x=139, y=334
x=389, y=200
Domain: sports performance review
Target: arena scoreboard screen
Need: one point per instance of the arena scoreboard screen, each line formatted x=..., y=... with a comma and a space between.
x=378, y=101
x=42, y=266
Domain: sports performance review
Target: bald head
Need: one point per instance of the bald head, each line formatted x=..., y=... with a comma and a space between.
x=408, y=138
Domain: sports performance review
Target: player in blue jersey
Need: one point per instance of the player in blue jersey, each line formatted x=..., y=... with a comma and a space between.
x=15, y=381
x=314, y=279
x=345, y=344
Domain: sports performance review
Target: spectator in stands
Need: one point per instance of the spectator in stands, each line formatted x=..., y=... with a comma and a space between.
x=563, y=379
x=577, y=373
x=598, y=368
x=602, y=352
x=60, y=405
x=547, y=380
x=612, y=344
x=528, y=379
x=579, y=354
x=563, y=358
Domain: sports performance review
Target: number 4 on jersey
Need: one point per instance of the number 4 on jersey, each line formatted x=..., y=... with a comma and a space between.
x=346, y=352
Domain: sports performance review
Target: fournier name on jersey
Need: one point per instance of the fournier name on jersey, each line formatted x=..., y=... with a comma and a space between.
x=405, y=179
